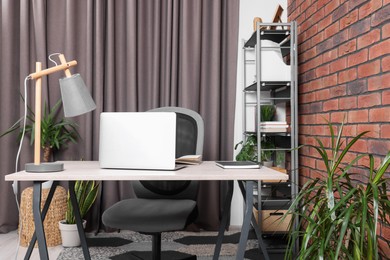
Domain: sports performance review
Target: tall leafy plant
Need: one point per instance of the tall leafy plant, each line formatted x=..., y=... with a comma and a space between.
x=339, y=217
x=86, y=193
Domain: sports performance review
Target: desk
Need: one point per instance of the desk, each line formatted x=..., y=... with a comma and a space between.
x=90, y=170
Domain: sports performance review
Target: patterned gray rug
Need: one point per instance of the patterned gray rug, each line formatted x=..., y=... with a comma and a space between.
x=117, y=246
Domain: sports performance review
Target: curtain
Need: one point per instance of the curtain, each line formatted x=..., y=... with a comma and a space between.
x=134, y=56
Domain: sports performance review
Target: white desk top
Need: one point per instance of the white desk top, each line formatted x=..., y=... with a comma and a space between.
x=90, y=170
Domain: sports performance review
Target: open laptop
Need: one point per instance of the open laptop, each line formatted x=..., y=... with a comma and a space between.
x=138, y=140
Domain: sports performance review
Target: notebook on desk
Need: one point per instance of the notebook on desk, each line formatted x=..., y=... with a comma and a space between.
x=138, y=140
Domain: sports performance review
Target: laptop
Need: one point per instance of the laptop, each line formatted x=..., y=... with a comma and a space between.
x=138, y=140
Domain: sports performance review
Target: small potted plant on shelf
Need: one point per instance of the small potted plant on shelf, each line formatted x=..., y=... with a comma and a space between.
x=266, y=155
x=337, y=215
x=248, y=151
x=267, y=112
x=86, y=193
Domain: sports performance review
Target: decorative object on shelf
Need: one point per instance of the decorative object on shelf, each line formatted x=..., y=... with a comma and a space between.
x=255, y=21
x=76, y=101
x=277, y=16
x=267, y=112
x=340, y=216
x=281, y=159
x=56, y=133
x=86, y=193
x=266, y=152
x=248, y=150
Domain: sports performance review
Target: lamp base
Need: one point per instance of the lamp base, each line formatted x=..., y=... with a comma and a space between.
x=45, y=167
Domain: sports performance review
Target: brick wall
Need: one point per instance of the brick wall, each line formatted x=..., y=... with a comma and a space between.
x=344, y=71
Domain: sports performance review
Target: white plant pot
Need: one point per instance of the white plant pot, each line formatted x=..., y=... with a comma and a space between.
x=268, y=163
x=69, y=234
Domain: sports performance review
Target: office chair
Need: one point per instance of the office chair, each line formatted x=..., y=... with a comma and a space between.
x=163, y=206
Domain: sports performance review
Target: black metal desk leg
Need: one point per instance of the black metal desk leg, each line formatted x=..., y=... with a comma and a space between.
x=225, y=213
x=38, y=221
x=79, y=222
x=43, y=215
x=247, y=220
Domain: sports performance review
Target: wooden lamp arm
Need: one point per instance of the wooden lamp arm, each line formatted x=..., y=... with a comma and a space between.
x=63, y=66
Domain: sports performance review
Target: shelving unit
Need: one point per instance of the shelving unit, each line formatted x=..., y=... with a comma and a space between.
x=275, y=91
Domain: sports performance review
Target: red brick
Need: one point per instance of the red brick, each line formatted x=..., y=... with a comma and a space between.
x=331, y=6
x=347, y=103
x=385, y=131
x=379, y=82
x=357, y=58
x=378, y=147
x=322, y=118
x=368, y=38
x=307, y=55
x=322, y=71
x=385, y=232
x=330, y=80
x=380, y=49
x=374, y=130
x=370, y=100
x=308, y=162
x=324, y=22
x=347, y=75
x=349, y=130
x=358, y=116
x=369, y=69
x=386, y=31
x=382, y=15
x=386, y=98
x=332, y=30
x=360, y=146
x=319, y=37
x=349, y=19
x=380, y=114
x=369, y=8
x=337, y=117
x=347, y=47
x=307, y=98
x=329, y=55
x=337, y=91
x=311, y=31
x=386, y=63
x=322, y=94
x=338, y=65
x=330, y=105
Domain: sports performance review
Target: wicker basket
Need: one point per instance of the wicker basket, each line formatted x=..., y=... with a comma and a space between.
x=55, y=214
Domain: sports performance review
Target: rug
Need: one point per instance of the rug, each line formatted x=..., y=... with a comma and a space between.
x=117, y=246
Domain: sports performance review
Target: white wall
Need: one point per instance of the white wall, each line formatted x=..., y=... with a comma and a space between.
x=249, y=9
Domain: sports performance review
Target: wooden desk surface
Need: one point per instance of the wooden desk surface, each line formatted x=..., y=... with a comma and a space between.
x=90, y=170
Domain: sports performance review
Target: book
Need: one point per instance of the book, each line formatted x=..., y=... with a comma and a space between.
x=273, y=123
x=190, y=159
x=274, y=130
x=237, y=164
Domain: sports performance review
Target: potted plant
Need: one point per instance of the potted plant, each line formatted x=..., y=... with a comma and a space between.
x=248, y=151
x=55, y=133
x=266, y=155
x=339, y=216
x=86, y=193
x=267, y=112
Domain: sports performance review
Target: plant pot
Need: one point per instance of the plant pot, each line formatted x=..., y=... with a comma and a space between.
x=268, y=163
x=69, y=234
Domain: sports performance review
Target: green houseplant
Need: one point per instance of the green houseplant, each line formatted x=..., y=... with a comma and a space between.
x=55, y=132
x=267, y=112
x=86, y=193
x=339, y=217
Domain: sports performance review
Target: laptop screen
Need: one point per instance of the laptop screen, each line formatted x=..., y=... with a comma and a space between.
x=137, y=140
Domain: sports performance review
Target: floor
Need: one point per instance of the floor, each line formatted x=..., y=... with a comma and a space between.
x=8, y=243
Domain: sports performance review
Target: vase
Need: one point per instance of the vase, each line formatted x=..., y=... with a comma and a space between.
x=268, y=163
x=69, y=234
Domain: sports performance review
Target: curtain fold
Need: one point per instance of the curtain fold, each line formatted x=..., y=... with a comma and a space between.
x=134, y=56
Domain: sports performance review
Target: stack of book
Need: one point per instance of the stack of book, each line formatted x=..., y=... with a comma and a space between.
x=273, y=127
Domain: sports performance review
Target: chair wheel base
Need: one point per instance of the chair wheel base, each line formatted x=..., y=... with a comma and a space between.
x=165, y=255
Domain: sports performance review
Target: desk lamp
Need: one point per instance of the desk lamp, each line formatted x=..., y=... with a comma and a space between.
x=75, y=99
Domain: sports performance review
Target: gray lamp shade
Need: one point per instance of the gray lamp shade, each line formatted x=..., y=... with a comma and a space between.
x=76, y=99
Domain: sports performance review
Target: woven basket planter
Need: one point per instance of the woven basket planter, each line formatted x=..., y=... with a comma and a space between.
x=55, y=213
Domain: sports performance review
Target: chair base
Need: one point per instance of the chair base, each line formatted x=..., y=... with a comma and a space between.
x=165, y=255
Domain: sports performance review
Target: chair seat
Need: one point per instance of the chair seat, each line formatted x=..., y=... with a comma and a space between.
x=163, y=215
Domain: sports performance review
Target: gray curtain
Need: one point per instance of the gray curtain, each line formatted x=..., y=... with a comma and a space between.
x=133, y=56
